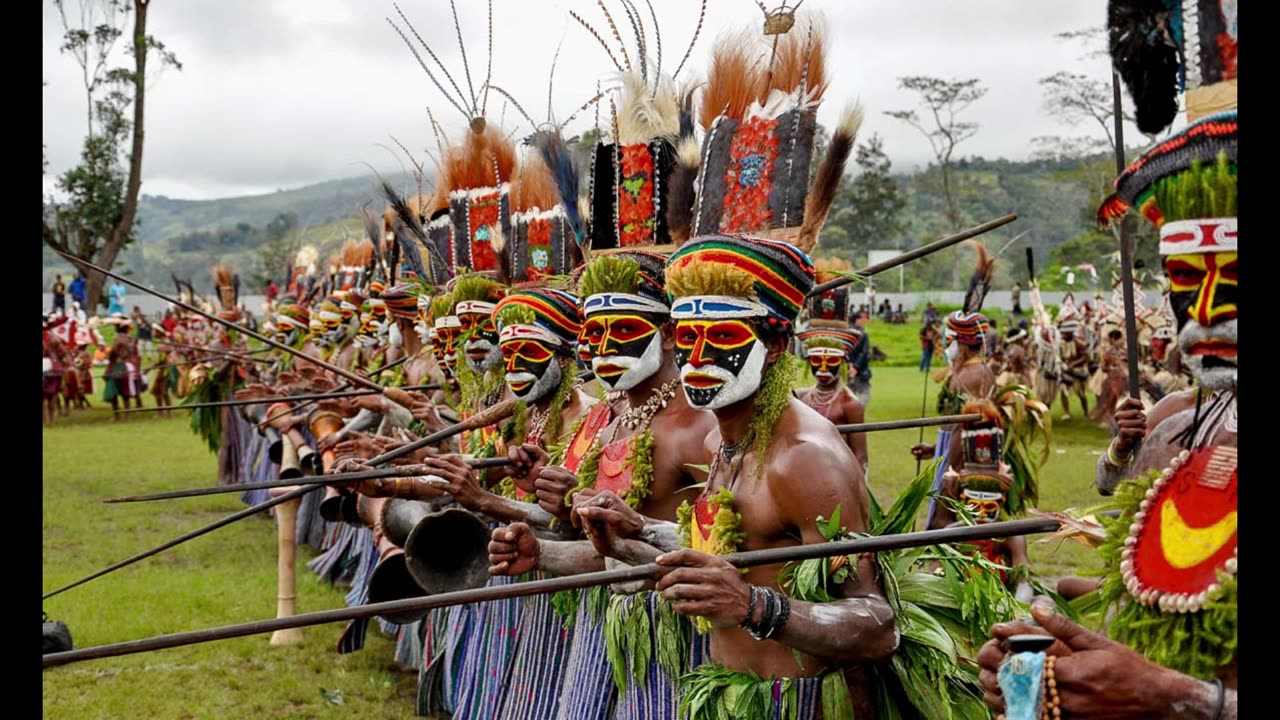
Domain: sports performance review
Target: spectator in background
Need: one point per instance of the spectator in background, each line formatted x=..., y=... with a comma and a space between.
x=1016, y=293
x=77, y=291
x=59, y=294
x=899, y=317
x=273, y=292
x=860, y=362
x=929, y=337
x=931, y=315
x=143, y=323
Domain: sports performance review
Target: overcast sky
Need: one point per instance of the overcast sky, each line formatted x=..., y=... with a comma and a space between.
x=284, y=93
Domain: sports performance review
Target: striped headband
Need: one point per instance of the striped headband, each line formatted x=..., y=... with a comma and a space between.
x=850, y=340
x=473, y=307
x=622, y=302
x=782, y=275
x=402, y=300
x=554, y=316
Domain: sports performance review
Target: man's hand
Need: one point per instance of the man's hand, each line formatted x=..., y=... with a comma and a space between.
x=1133, y=426
x=425, y=411
x=513, y=550
x=356, y=445
x=922, y=452
x=551, y=486
x=371, y=402
x=606, y=518
x=459, y=479
x=1096, y=677
x=527, y=462
x=706, y=586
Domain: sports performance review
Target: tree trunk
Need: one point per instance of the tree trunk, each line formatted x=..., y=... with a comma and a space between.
x=120, y=233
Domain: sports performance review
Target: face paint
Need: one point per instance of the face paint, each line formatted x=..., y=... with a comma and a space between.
x=825, y=363
x=482, y=351
x=985, y=506
x=625, y=349
x=1203, y=293
x=721, y=361
x=952, y=351
x=531, y=368
x=448, y=330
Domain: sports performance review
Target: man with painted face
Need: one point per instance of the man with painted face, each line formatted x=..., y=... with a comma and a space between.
x=829, y=345
x=827, y=352
x=777, y=466
x=1075, y=365
x=481, y=376
x=624, y=466
x=970, y=378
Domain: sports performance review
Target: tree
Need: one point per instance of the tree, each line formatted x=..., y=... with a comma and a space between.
x=944, y=100
x=95, y=221
x=869, y=209
x=277, y=251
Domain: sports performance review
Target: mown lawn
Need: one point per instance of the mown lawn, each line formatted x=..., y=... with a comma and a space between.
x=229, y=576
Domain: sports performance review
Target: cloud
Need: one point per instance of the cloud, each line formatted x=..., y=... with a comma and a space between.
x=281, y=93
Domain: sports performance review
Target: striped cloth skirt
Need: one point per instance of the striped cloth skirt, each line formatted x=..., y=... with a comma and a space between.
x=487, y=656
x=589, y=692
x=538, y=662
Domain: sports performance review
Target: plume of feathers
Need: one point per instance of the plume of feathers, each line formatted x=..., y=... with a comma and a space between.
x=375, y=237
x=681, y=191
x=472, y=164
x=556, y=156
x=800, y=61
x=733, y=82
x=648, y=111
x=410, y=235
x=1146, y=53
x=498, y=242
x=225, y=283
x=980, y=283
x=827, y=180
x=532, y=186
x=686, y=110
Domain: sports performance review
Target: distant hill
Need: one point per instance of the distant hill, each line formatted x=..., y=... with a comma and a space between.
x=320, y=204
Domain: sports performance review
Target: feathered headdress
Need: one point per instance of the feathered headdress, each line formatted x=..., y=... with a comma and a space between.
x=760, y=114
x=1162, y=48
x=980, y=282
x=630, y=173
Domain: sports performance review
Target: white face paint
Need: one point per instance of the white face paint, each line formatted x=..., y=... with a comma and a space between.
x=733, y=387
x=535, y=388
x=423, y=331
x=1212, y=372
x=393, y=335
x=638, y=369
x=952, y=351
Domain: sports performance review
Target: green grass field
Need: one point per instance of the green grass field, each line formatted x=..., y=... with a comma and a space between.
x=229, y=576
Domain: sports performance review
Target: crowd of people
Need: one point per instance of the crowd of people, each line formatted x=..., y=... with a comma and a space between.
x=664, y=381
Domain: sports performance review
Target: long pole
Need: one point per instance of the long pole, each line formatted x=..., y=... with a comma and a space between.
x=282, y=398
x=480, y=419
x=319, y=480
x=919, y=252
x=226, y=323
x=754, y=558
x=1126, y=251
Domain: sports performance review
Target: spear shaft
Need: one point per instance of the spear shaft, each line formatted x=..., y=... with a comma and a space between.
x=919, y=252
x=754, y=558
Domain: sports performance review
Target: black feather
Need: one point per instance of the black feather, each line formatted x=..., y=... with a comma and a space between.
x=409, y=232
x=1031, y=265
x=1148, y=57
x=980, y=282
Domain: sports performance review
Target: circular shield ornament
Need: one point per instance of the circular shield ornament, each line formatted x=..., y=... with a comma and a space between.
x=1184, y=533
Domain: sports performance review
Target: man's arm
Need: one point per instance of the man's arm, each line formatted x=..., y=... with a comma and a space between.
x=853, y=414
x=860, y=627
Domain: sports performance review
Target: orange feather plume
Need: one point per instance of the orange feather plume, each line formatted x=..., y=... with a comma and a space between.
x=734, y=81
x=801, y=57
x=474, y=163
x=533, y=186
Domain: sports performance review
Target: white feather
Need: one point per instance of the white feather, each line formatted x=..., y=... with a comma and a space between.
x=648, y=112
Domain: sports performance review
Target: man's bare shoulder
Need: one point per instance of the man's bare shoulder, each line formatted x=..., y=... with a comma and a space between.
x=805, y=441
x=1168, y=406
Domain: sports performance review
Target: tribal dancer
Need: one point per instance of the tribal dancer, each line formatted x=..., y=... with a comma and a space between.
x=829, y=346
